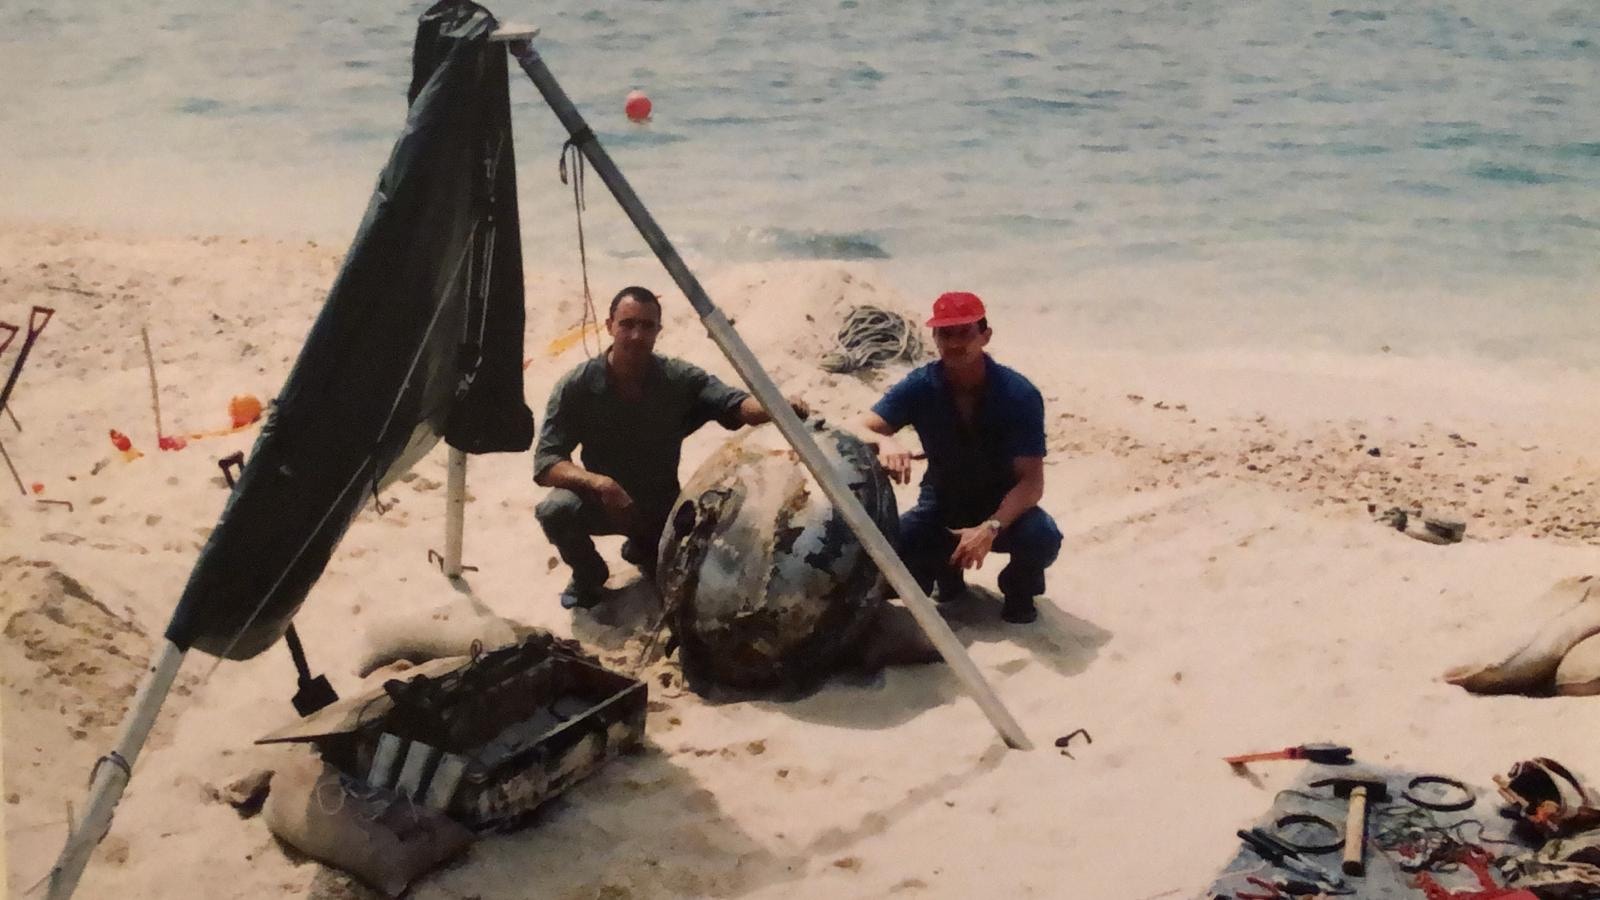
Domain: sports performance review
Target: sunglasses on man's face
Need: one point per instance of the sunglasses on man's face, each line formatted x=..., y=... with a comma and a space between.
x=957, y=332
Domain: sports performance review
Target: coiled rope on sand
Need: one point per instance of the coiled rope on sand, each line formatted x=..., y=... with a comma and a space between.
x=871, y=336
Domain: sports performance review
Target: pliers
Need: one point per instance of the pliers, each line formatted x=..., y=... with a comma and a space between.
x=1279, y=889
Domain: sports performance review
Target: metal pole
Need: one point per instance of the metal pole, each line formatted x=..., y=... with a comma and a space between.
x=766, y=392
x=12, y=466
x=112, y=772
x=455, y=511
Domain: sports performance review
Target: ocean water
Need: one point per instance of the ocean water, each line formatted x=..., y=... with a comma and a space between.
x=1284, y=174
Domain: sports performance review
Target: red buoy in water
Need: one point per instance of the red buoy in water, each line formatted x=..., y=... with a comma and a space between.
x=637, y=106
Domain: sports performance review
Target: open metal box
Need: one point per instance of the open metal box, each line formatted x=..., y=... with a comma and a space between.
x=484, y=739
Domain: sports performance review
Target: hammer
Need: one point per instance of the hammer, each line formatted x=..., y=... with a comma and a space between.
x=1360, y=791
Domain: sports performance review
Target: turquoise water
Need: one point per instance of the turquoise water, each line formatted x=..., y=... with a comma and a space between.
x=1299, y=175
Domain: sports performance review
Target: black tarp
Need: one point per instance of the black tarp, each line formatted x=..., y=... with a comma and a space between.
x=420, y=337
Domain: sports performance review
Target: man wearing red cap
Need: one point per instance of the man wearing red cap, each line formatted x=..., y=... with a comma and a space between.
x=982, y=429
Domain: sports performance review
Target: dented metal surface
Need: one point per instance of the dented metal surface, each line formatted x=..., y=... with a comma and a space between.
x=764, y=583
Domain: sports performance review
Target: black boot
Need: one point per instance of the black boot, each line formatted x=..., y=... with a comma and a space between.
x=642, y=555
x=581, y=596
x=1019, y=610
x=951, y=586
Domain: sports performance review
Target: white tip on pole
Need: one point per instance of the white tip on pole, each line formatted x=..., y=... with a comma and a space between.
x=455, y=512
x=508, y=33
x=112, y=772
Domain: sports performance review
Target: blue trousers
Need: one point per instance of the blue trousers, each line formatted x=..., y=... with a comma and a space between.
x=1032, y=541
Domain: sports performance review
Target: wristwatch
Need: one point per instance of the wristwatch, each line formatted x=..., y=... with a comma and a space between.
x=993, y=525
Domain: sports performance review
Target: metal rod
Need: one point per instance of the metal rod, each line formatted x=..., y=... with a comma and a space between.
x=112, y=772
x=455, y=512
x=11, y=332
x=12, y=466
x=766, y=392
x=150, y=366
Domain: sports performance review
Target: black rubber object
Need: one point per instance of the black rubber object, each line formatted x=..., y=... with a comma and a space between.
x=1330, y=846
x=1453, y=806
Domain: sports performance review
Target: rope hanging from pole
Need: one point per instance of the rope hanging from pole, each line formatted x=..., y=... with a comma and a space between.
x=591, y=318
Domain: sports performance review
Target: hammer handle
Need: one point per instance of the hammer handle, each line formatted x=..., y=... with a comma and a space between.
x=1355, y=832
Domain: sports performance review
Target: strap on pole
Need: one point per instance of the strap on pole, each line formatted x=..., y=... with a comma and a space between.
x=766, y=392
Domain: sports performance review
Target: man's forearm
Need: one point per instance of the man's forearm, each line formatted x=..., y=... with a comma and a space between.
x=870, y=428
x=1023, y=496
x=569, y=475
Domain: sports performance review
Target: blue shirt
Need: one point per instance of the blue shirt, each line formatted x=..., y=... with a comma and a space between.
x=969, y=467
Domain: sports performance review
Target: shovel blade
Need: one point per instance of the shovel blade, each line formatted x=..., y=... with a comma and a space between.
x=314, y=694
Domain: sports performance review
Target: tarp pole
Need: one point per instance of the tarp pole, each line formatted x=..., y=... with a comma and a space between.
x=766, y=392
x=455, y=510
x=112, y=772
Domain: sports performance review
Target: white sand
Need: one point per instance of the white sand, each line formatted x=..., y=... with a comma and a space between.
x=1222, y=589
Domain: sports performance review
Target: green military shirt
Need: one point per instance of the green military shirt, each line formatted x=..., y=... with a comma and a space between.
x=637, y=442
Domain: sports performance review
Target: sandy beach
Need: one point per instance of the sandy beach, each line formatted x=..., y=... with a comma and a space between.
x=1224, y=587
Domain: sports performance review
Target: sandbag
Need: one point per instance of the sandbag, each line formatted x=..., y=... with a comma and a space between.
x=449, y=630
x=1579, y=672
x=1531, y=667
x=381, y=838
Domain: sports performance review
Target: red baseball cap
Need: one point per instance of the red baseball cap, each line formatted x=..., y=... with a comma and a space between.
x=956, y=308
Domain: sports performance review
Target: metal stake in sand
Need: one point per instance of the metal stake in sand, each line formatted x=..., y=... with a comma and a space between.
x=455, y=510
x=766, y=392
x=150, y=366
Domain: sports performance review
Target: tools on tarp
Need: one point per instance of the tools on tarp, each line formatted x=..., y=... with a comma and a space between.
x=1270, y=848
x=1424, y=835
x=1326, y=754
x=1279, y=889
x=1477, y=861
x=1358, y=791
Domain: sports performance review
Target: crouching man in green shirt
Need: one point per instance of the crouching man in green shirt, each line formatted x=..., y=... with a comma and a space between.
x=629, y=410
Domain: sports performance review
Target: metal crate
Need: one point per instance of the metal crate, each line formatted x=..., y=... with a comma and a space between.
x=487, y=739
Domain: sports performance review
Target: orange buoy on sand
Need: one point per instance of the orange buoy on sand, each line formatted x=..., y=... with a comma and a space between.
x=637, y=106
x=244, y=409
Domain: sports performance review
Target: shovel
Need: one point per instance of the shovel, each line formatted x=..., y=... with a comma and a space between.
x=314, y=693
